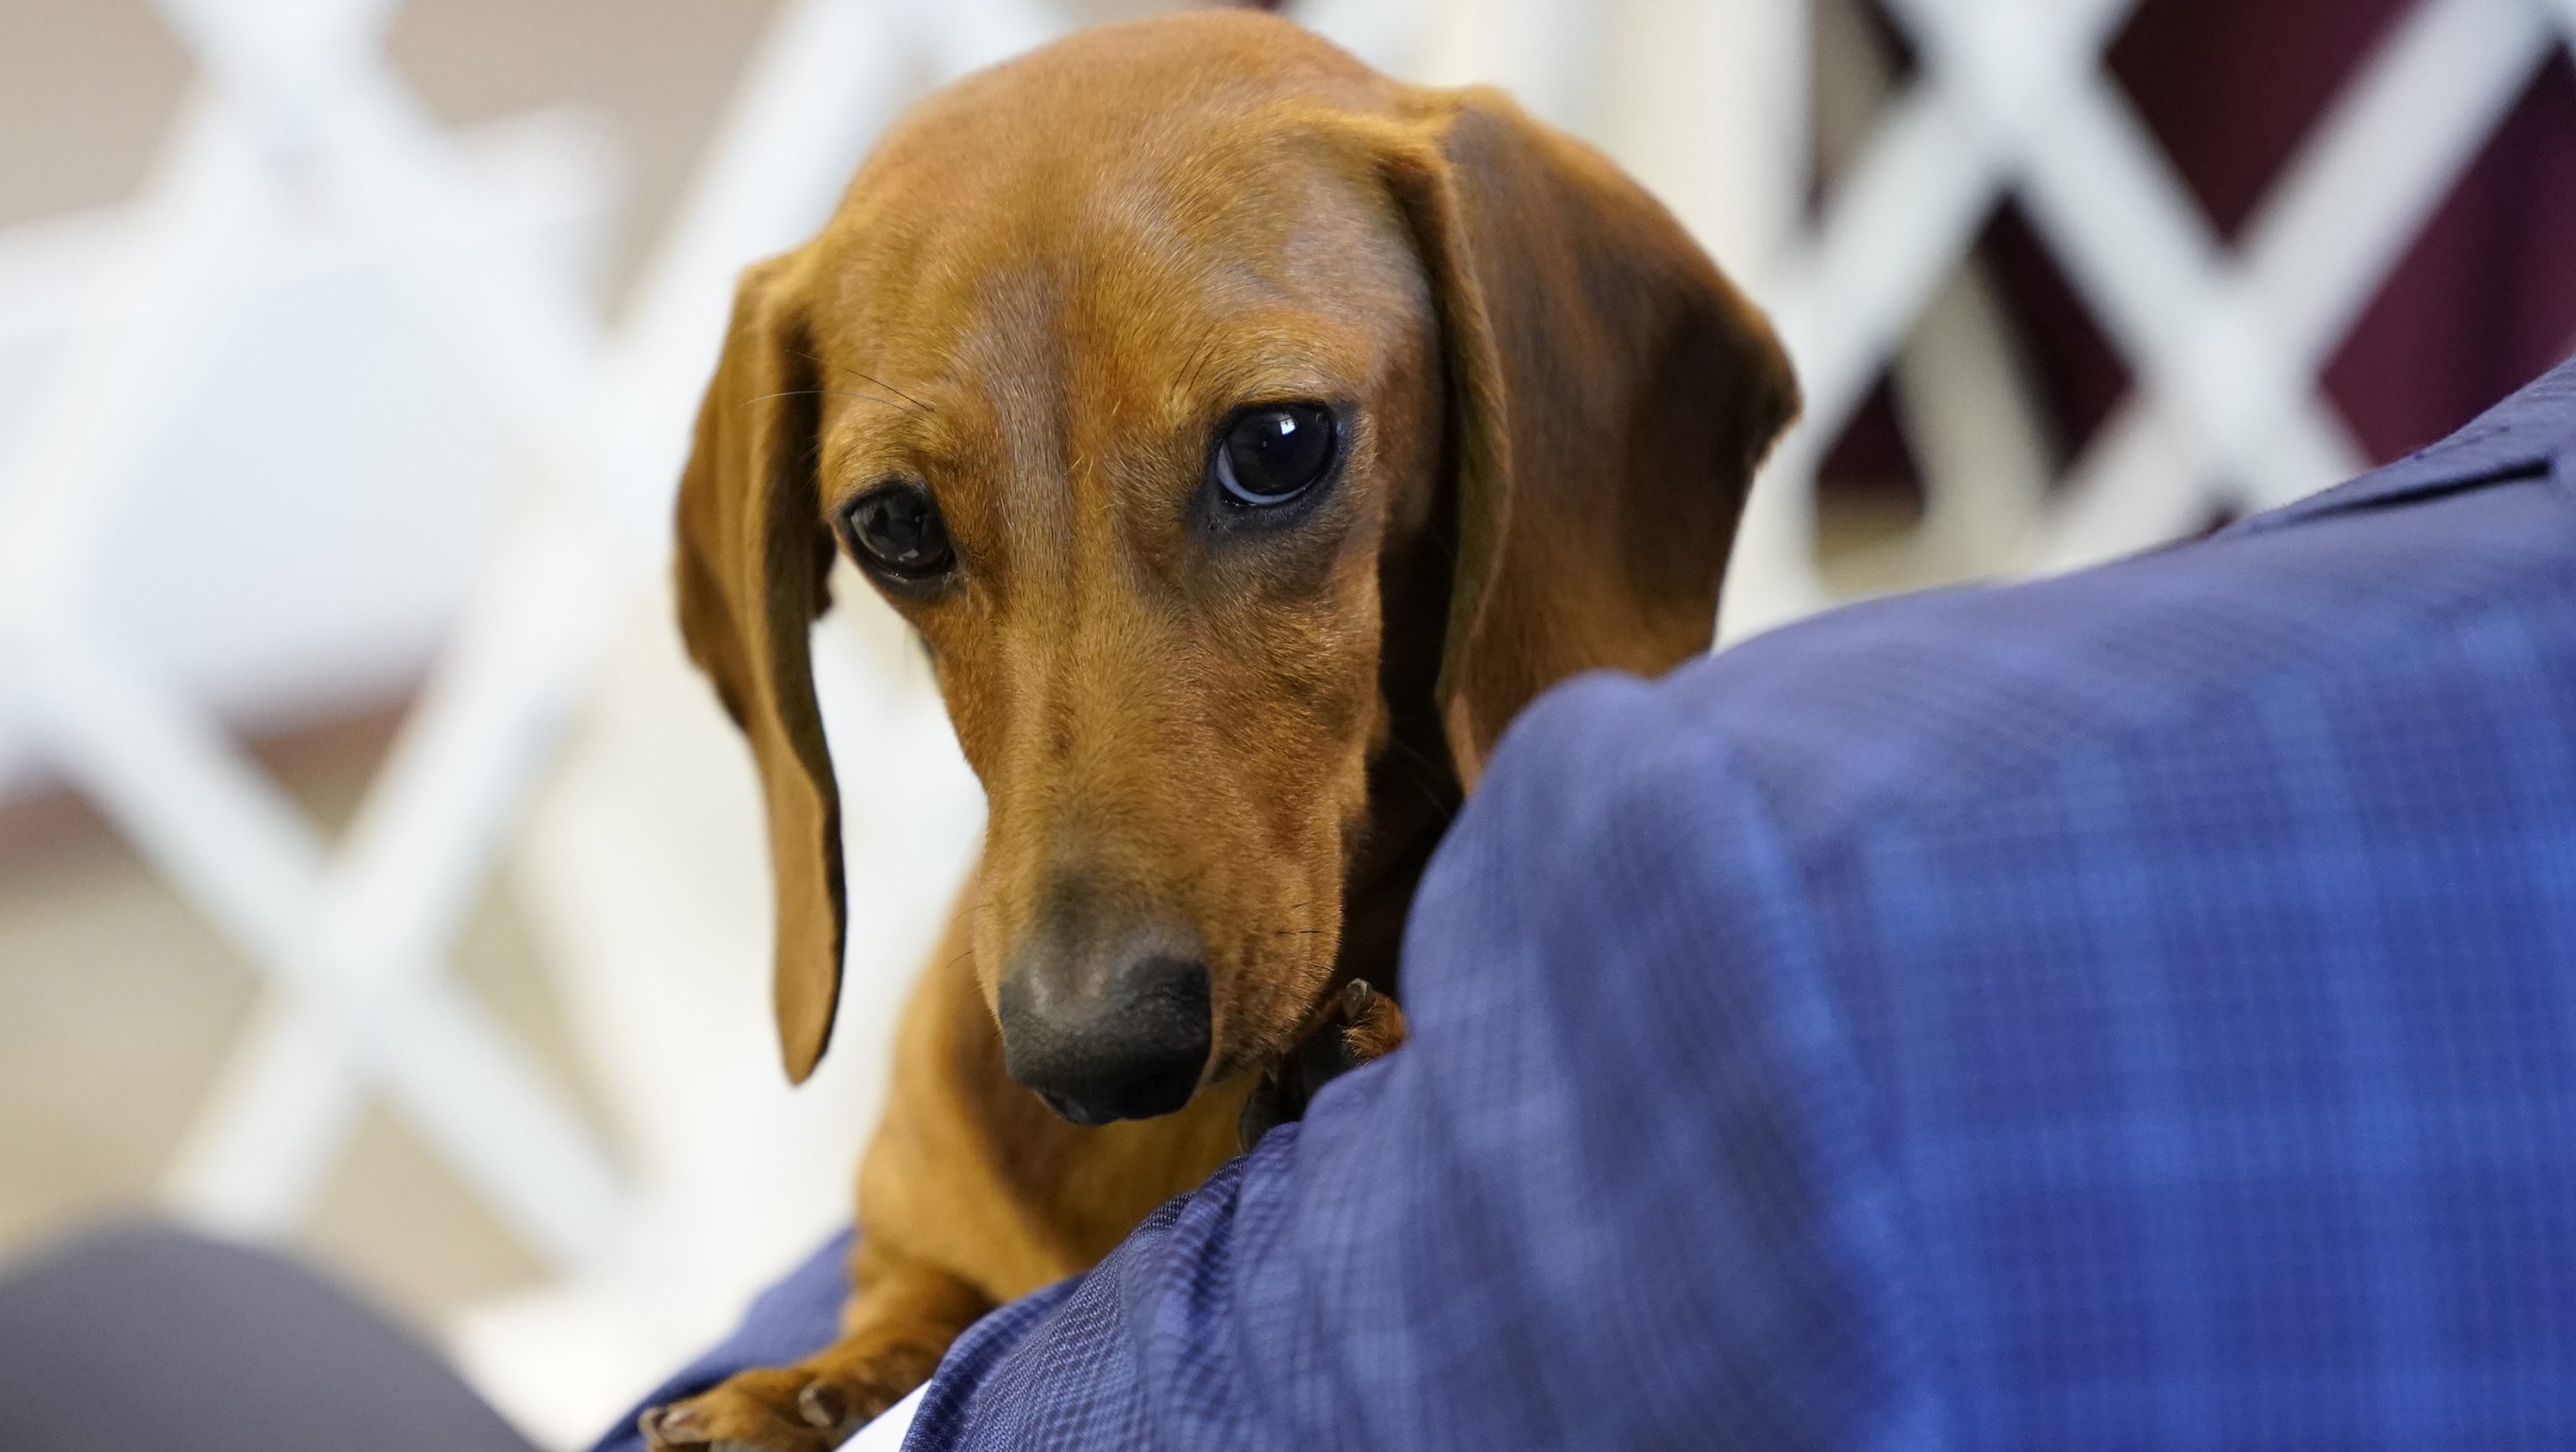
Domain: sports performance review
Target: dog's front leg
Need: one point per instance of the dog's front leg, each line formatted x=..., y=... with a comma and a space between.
x=972, y=1193
x=893, y=1334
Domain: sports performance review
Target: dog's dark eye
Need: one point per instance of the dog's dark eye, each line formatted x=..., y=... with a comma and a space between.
x=897, y=528
x=1272, y=453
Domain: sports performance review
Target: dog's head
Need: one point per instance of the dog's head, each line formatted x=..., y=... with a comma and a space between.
x=1151, y=377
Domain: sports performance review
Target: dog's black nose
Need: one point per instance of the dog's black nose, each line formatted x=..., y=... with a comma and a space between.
x=1131, y=1049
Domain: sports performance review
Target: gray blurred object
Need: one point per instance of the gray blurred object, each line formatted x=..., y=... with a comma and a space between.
x=143, y=1336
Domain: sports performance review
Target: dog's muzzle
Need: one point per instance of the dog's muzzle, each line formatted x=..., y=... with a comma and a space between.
x=1131, y=1048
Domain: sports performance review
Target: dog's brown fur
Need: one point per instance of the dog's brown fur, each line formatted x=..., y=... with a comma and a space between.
x=1039, y=298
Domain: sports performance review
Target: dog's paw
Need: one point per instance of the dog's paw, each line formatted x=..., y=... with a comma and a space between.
x=806, y=1408
x=1355, y=1026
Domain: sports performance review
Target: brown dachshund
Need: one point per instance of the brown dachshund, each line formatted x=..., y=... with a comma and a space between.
x=1248, y=437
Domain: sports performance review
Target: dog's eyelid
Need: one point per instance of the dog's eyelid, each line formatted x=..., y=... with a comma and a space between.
x=867, y=482
x=1338, y=400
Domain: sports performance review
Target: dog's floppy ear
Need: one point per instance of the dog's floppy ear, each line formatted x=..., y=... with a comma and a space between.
x=752, y=566
x=1610, y=397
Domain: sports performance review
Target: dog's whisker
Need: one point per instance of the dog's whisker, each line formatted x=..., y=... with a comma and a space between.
x=897, y=392
x=822, y=393
x=869, y=379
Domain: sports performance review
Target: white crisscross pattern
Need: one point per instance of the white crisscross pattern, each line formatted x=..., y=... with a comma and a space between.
x=2225, y=345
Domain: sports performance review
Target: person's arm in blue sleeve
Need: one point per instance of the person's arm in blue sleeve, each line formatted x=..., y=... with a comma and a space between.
x=1618, y=1189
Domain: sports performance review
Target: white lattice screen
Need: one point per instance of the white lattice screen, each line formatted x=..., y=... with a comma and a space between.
x=294, y=103
x=2225, y=345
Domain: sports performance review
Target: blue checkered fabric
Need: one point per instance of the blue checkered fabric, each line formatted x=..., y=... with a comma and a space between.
x=2133, y=1010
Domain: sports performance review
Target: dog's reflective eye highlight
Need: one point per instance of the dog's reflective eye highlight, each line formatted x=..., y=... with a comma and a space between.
x=1271, y=453
x=897, y=529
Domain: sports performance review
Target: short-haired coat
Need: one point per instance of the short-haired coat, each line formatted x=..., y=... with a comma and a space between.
x=1248, y=437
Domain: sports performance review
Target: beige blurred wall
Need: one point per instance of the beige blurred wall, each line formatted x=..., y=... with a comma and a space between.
x=88, y=86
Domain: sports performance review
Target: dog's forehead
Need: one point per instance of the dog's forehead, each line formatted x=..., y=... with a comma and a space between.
x=1136, y=268
x=1125, y=85
x=1124, y=153
x=1176, y=200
